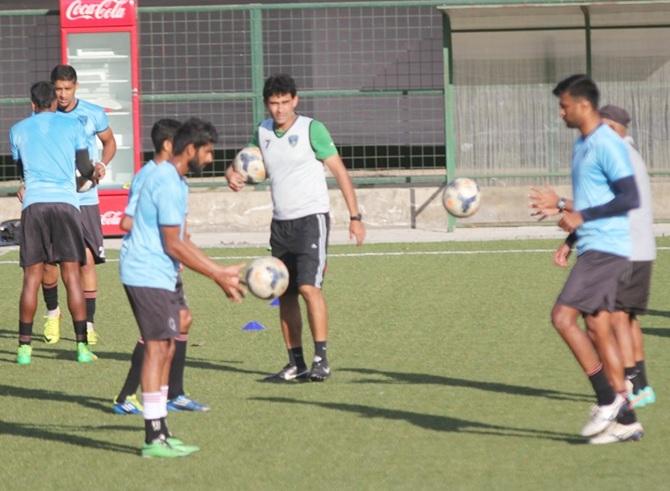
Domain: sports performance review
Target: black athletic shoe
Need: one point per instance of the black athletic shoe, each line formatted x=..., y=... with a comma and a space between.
x=288, y=374
x=320, y=370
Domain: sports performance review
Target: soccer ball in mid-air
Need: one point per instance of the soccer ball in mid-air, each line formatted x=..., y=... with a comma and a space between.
x=266, y=277
x=461, y=197
x=249, y=163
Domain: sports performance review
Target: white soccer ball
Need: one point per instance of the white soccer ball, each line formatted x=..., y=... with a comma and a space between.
x=249, y=163
x=461, y=197
x=83, y=183
x=266, y=277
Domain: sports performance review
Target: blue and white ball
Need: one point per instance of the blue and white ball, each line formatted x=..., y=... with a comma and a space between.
x=462, y=197
x=266, y=277
x=249, y=163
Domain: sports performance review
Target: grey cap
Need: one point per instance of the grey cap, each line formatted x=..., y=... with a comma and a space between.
x=616, y=114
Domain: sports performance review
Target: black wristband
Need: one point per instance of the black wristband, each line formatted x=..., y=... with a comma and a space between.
x=356, y=218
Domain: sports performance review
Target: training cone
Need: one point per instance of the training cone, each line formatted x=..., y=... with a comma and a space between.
x=253, y=326
x=274, y=303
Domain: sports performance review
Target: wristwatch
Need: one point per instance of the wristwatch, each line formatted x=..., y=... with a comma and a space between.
x=356, y=218
x=561, y=204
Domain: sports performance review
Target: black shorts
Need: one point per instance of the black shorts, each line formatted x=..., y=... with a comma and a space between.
x=51, y=233
x=302, y=244
x=592, y=284
x=156, y=311
x=90, y=221
x=180, y=293
x=633, y=295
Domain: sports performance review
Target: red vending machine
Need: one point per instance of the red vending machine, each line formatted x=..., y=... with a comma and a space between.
x=99, y=39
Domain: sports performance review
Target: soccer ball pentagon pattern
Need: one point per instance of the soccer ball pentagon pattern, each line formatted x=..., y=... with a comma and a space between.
x=266, y=277
x=249, y=163
x=461, y=197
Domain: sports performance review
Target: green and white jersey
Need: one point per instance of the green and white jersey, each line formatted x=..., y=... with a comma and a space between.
x=294, y=163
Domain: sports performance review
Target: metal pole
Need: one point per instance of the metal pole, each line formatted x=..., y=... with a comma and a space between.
x=587, y=30
x=449, y=103
x=257, y=75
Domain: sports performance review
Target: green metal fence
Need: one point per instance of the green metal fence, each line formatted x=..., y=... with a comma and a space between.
x=406, y=88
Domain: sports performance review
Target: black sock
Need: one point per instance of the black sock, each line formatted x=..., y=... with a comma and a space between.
x=320, y=349
x=296, y=357
x=25, y=332
x=164, y=429
x=602, y=388
x=176, y=381
x=80, y=331
x=152, y=429
x=626, y=414
x=631, y=375
x=90, y=308
x=50, y=293
x=642, y=373
x=133, y=378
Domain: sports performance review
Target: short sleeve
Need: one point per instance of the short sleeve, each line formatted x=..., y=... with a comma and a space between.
x=133, y=196
x=12, y=144
x=169, y=200
x=615, y=160
x=101, y=121
x=322, y=142
x=254, y=139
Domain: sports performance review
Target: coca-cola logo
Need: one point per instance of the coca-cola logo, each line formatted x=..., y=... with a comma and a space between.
x=111, y=217
x=99, y=10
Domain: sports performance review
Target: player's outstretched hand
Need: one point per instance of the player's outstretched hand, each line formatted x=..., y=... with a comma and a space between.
x=543, y=202
x=561, y=255
x=99, y=172
x=357, y=230
x=228, y=278
x=235, y=179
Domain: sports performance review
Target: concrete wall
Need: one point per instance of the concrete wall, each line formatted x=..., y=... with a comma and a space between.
x=219, y=209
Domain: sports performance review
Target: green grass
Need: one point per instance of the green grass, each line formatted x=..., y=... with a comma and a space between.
x=447, y=374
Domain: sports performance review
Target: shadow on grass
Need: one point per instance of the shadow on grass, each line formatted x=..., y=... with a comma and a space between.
x=432, y=422
x=664, y=332
x=44, y=433
x=659, y=313
x=96, y=403
x=424, y=378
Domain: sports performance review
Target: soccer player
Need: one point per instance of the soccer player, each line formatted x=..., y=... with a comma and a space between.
x=162, y=136
x=149, y=261
x=632, y=295
x=295, y=149
x=96, y=124
x=604, y=191
x=46, y=147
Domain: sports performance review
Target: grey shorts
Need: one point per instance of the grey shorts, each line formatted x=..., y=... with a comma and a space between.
x=92, y=227
x=302, y=244
x=51, y=233
x=633, y=295
x=156, y=311
x=593, y=281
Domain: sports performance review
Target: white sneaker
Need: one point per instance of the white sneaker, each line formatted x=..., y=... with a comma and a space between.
x=616, y=432
x=602, y=416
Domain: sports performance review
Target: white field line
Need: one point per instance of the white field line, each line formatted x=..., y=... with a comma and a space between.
x=394, y=254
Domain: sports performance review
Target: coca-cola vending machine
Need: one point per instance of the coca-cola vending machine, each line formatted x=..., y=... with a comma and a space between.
x=99, y=39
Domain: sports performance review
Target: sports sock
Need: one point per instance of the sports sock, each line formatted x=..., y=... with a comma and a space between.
x=642, y=373
x=604, y=392
x=50, y=293
x=626, y=414
x=176, y=382
x=133, y=378
x=152, y=415
x=25, y=332
x=296, y=357
x=631, y=375
x=164, y=428
x=90, y=296
x=80, y=331
x=320, y=349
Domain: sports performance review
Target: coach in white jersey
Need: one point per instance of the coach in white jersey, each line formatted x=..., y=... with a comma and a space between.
x=295, y=149
x=633, y=294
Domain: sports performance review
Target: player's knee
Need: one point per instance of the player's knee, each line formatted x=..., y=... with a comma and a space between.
x=185, y=321
x=561, y=319
x=310, y=292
